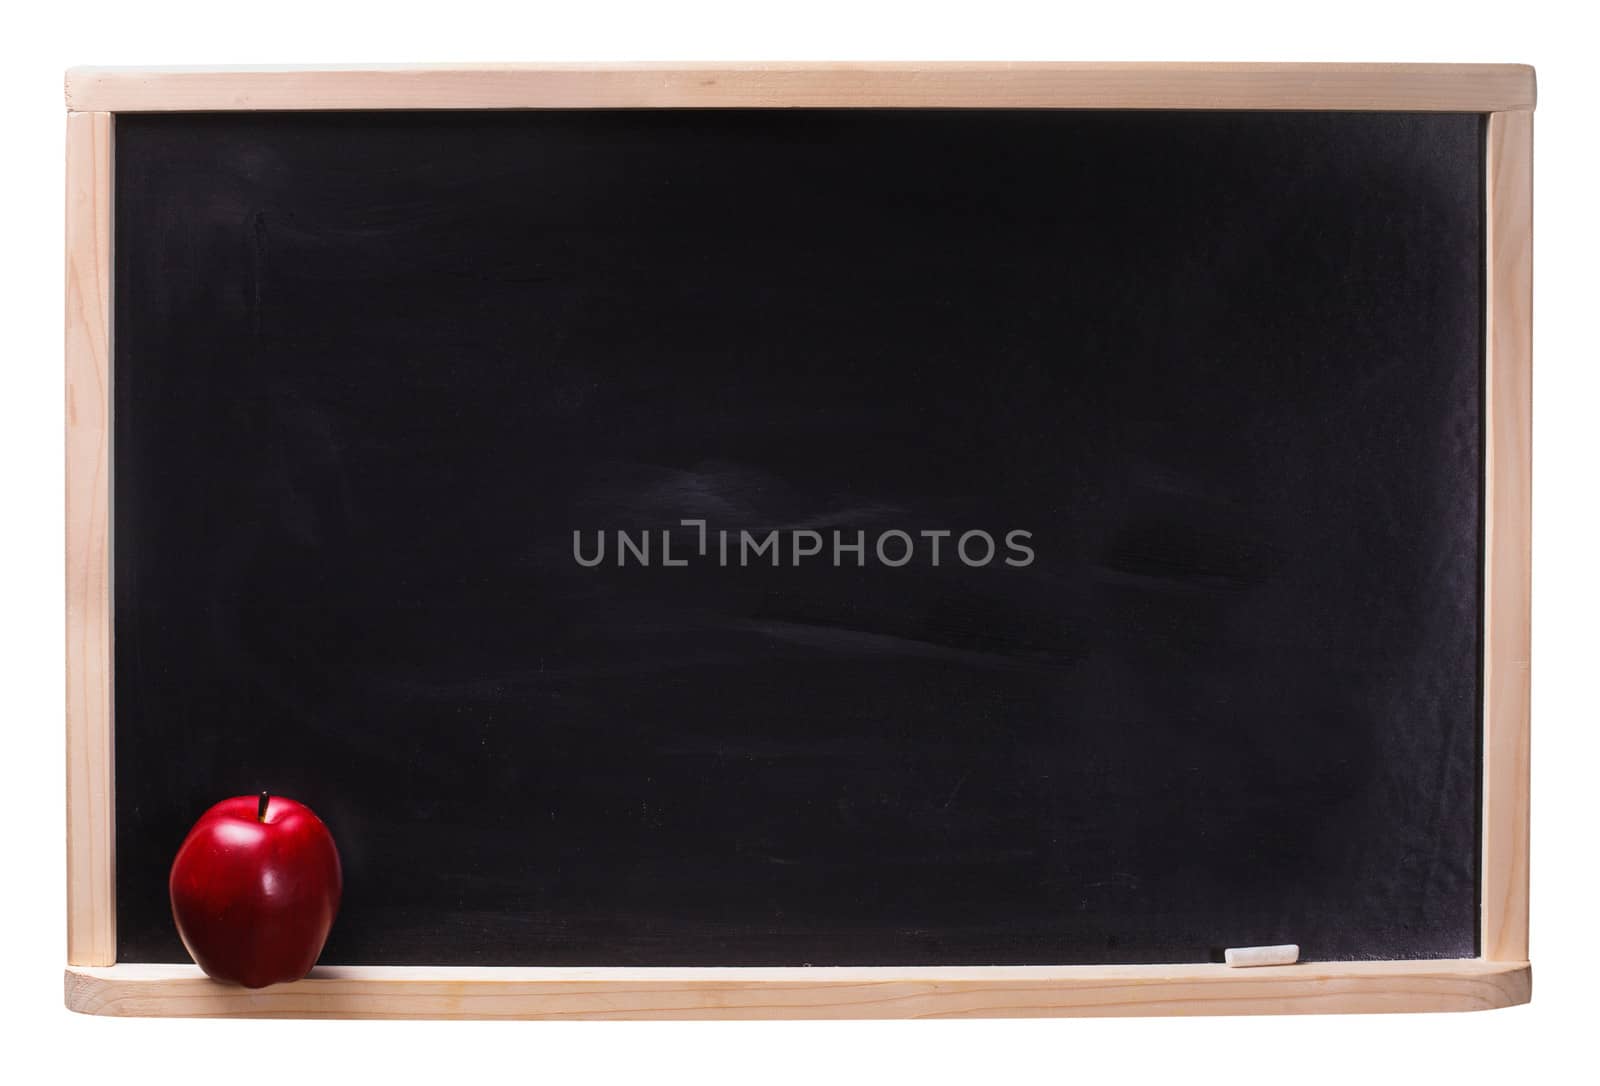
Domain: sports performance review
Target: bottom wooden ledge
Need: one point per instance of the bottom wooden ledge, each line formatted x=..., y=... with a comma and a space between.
x=891, y=992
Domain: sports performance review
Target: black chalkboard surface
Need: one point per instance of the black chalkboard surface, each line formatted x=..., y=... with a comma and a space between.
x=1209, y=384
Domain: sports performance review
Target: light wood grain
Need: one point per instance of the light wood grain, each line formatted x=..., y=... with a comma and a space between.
x=91, y=908
x=1508, y=535
x=1476, y=88
x=985, y=992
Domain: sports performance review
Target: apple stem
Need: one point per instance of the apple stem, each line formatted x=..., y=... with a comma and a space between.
x=261, y=807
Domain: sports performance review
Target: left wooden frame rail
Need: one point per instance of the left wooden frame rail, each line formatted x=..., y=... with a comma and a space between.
x=91, y=902
x=96, y=984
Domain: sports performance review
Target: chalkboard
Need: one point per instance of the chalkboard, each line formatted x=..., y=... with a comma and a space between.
x=1197, y=397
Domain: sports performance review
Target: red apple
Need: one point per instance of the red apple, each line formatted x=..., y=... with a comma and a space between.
x=254, y=890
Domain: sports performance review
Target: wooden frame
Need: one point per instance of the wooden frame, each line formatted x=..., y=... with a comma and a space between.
x=1499, y=977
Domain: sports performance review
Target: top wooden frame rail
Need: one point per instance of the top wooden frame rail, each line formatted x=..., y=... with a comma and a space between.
x=1463, y=88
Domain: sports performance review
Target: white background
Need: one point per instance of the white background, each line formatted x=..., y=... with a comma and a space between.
x=42, y=39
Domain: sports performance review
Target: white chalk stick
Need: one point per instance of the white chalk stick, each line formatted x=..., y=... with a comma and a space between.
x=1243, y=956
